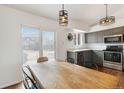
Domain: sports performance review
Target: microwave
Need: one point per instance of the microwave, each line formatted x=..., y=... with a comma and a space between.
x=114, y=38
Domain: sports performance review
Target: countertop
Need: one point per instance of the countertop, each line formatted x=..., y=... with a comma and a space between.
x=83, y=49
x=76, y=50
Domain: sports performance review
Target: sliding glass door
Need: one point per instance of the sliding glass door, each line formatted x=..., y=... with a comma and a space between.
x=30, y=44
x=36, y=43
x=48, y=42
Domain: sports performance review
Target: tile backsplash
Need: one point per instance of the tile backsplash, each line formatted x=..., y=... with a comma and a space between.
x=99, y=46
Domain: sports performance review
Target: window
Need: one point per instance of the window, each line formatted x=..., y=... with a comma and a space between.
x=30, y=44
x=36, y=43
x=78, y=39
x=48, y=44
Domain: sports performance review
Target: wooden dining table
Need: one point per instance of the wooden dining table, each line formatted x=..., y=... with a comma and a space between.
x=63, y=75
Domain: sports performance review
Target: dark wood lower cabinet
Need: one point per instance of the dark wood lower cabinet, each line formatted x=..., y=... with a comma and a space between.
x=86, y=58
x=97, y=57
x=80, y=58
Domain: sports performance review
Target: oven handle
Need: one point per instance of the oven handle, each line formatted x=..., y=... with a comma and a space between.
x=113, y=52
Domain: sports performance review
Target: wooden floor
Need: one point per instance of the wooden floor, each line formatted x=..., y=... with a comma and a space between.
x=16, y=86
x=118, y=74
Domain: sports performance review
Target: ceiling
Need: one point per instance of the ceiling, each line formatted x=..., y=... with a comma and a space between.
x=86, y=13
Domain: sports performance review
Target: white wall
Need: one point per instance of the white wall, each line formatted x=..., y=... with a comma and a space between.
x=10, y=41
x=63, y=44
x=10, y=59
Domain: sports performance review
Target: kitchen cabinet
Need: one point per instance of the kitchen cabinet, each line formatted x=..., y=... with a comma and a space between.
x=108, y=32
x=71, y=57
x=91, y=38
x=98, y=37
x=114, y=31
x=94, y=56
x=95, y=37
x=86, y=37
x=83, y=57
x=123, y=58
x=119, y=30
x=97, y=56
x=79, y=57
x=87, y=56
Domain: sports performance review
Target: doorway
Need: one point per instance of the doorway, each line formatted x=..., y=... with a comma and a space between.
x=48, y=39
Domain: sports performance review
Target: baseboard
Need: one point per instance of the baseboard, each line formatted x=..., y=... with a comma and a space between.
x=9, y=84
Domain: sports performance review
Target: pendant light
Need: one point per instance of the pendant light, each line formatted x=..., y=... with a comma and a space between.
x=63, y=17
x=108, y=19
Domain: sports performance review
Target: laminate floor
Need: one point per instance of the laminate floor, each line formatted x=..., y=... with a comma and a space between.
x=16, y=86
x=117, y=73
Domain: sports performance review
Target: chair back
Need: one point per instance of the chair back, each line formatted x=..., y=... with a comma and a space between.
x=28, y=79
x=42, y=59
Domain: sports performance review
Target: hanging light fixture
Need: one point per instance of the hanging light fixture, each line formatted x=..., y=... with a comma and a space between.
x=108, y=19
x=63, y=17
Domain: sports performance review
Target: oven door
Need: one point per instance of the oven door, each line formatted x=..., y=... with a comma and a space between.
x=113, y=57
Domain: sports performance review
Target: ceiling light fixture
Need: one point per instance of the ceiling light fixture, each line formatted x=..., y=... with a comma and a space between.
x=108, y=19
x=63, y=17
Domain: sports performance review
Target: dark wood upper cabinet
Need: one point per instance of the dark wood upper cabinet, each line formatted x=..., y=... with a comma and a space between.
x=91, y=37
x=98, y=37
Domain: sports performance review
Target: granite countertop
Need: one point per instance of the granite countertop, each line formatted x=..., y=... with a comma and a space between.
x=83, y=49
x=76, y=50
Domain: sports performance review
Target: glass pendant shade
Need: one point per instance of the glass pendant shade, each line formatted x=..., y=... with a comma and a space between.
x=63, y=17
x=108, y=20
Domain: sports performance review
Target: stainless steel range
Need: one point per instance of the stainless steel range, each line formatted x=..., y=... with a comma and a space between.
x=113, y=56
